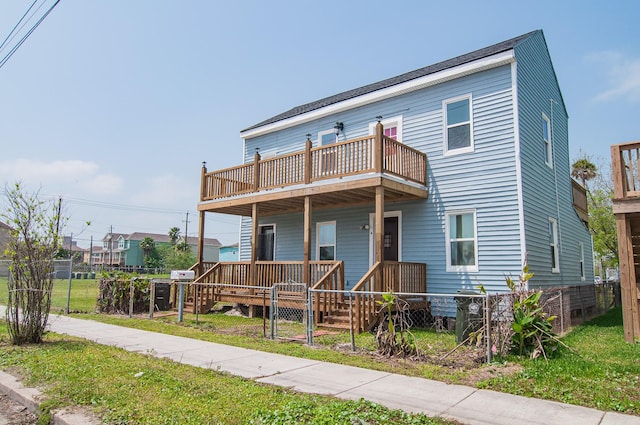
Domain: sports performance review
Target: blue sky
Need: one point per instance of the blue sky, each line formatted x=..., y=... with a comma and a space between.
x=113, y=105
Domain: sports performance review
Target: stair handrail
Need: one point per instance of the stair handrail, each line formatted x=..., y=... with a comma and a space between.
x=365, y=303
x=332, y=280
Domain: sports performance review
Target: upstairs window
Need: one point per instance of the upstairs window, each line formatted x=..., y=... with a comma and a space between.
x=553, y=244
x=546, y=140
x=458, y=125
x=121, y=243
x=462, y=252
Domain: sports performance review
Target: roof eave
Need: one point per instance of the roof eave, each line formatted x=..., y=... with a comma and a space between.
x=488, y=62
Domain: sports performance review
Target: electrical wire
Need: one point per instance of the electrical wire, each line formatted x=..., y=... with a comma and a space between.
x=24, y=38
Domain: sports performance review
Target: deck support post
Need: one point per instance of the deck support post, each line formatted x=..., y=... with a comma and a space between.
x=200, y=270
x=256, y=172
x=307, y=240
x=253, y=275
x=379, y=237
x=628, y=285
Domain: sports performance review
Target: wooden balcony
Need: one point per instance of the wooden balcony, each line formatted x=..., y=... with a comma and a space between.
x=625, y=164
x=344, y=173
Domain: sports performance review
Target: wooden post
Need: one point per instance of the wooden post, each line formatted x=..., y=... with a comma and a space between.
x=200, y=268
x=628, y=289
x=307, y=160
x=617, y=171
x=256, y=172
x=307, y=240
x=253, y=278
x=203, y=184
x=379, y=237
x=378, y=147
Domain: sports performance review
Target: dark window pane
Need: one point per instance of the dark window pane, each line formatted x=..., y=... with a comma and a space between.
x=327, y=253
x=463, y=253
x=459, y=137
x=458, y=112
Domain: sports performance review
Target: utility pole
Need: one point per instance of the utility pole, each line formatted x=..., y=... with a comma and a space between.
x=58, y=219
x=186, y=227
x=91, y=254
x=110, y=245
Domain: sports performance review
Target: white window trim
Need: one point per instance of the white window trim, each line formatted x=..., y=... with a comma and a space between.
x=582, y=270
x=335, y=238
x=372, y=234
x=389, y=122
x=120, y=242
x=450, y=267
x=325, y=132
x=471, y=147
x=556, y=251
x=548, y=144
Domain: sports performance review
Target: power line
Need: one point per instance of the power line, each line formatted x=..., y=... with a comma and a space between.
x=24, y=38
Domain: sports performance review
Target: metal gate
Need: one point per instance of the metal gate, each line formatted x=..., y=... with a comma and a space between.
x=288, y=314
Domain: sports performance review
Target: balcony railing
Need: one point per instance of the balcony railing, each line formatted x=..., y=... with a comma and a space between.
x=369, y=154
x=625, y=163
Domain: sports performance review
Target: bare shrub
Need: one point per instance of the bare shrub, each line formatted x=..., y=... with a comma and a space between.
x=31, y=249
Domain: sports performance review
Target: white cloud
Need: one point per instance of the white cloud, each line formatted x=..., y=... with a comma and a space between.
x=60, y=175
x=168, y=191
x=622, y=76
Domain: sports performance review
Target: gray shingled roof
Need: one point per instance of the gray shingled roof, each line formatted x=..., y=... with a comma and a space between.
x=389, y=82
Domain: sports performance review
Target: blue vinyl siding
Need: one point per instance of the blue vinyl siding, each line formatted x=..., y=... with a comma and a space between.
x=539, y=93
x=485, y=180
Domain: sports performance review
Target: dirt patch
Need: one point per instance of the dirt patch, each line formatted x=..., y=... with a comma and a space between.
x=13, y=413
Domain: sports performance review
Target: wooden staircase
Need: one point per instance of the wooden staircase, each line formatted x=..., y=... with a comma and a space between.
x=338, y=318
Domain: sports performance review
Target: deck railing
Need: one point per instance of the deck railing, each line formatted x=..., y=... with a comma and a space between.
x=351, y=157
x=332, y=282
x=268, y=273
x=400, y=277
x=625, y=163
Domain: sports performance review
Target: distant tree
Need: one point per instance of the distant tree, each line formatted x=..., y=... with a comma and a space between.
x=602, y=221
x=147, y=246
x=33, y=243
x=174, y=235
x=583, y=169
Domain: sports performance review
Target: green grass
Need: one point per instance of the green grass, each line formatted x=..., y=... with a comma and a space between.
x=603, y=372
x=129, y=388
x=247, y=333
x=84, y=293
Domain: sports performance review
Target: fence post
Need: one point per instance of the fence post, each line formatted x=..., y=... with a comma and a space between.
x=131, y=298
x=310, y=317
x=152, y=298
x=180, y=301
x=351, y=333
x=69, y=286
x=561, y=313
x=273, y=302
x=487, y=312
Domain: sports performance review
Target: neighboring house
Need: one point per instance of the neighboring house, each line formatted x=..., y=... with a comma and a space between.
x=462, y=166
x=5, y=235
x=124, y=249
x=70, y=245
x=229, y=252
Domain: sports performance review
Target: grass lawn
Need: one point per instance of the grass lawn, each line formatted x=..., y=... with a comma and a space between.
x=130, y=388
x=601, y=371
x=84, y=293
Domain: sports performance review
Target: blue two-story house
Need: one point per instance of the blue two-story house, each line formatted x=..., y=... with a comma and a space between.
x=454, y=174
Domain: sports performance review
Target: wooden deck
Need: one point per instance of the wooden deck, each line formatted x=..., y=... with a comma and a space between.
x=339, y=174
x=230, y=282
x=625, y=164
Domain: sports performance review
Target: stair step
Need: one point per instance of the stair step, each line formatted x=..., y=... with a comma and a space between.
x=337, y=326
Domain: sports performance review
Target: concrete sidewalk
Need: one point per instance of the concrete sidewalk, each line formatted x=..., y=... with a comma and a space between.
x=465, y=404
